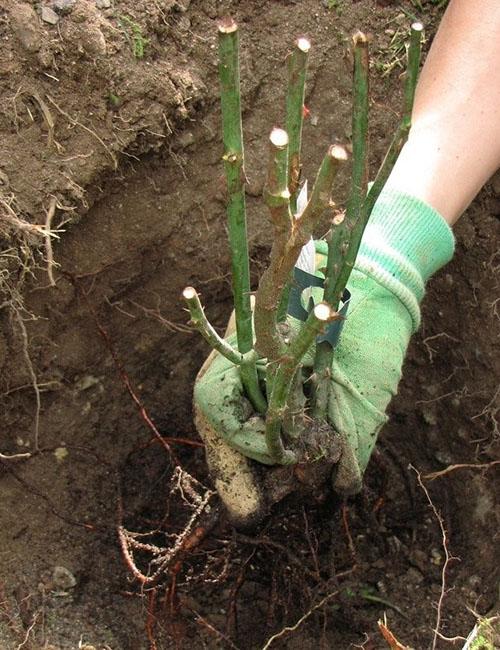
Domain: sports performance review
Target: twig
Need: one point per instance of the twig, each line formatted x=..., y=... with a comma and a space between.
x=452, y=468
x=301, y=620
x=448, y=559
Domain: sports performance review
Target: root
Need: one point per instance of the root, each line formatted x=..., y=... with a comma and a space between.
x=448, y=558
x=85, y=128
x=491, y=411
x=301, y=620
x=32, y=373
x=48, y=244
x=452, y=468
x=196, y=498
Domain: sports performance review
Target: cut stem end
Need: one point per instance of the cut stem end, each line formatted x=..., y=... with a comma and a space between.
x=279, y=138
x=227, y=25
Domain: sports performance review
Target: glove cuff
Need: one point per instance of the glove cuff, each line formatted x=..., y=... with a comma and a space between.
x=404, y=243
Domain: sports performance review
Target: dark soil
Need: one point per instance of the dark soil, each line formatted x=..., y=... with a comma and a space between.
x=130, y=149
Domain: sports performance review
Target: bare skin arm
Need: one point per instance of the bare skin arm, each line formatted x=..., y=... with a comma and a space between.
x=454, y=142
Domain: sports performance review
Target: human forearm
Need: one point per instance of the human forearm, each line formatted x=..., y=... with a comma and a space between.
x=454, y=142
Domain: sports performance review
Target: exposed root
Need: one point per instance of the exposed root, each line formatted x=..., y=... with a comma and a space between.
x=32, y=373
x=15, y=456
x=196, y=499
x=432, y=351
x=452, y=468
x=393, y=643
x=301, y=620
x=491, y=411
x=48, y=244
x=75, y=122
x=448, y=558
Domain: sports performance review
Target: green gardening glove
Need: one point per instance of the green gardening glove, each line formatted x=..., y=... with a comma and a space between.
x=405, y=242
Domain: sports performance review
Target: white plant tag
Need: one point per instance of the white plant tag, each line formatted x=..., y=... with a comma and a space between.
x=307, y=257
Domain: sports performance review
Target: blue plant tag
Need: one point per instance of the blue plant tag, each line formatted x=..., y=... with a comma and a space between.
x=303, y=281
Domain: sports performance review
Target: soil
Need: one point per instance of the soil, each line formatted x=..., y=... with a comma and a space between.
x=126, y=145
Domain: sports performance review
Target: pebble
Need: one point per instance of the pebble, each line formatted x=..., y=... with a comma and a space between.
x=414, y=576
x=63, y=7
x=186, y=139
x=49, y=16
x=103, y=4
x=63, y=578
x=25, y=26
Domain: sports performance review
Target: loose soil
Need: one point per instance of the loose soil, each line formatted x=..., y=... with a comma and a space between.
x=130, y=149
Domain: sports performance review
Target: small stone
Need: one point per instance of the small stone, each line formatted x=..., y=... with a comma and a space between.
x=49, y=16
x=25, y=26
x=414, y=576
x=186, y=139
x=103, y=4
x=63, y=7
x=60, y=453
x=62, y=578
x=429, y=415
x=443, y=457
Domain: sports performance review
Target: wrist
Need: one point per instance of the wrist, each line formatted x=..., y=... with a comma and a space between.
x=405, y=242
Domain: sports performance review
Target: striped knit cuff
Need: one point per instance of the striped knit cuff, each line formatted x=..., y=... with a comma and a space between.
x=404, y=243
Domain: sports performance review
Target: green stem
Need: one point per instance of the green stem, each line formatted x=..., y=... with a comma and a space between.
x=403, y=129
x=276, y=194
x=232, y=134
x=202, y=324
x=245, y=362
x=345, y=237
x=349, y=236
x=250, y=380
x=413, y=65
x=390, y=158
x=297, y=67
x=233, y=157
x=283, y=379
x=284, y=254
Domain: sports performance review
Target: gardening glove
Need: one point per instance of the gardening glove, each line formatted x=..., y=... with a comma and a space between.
x=405, y=242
